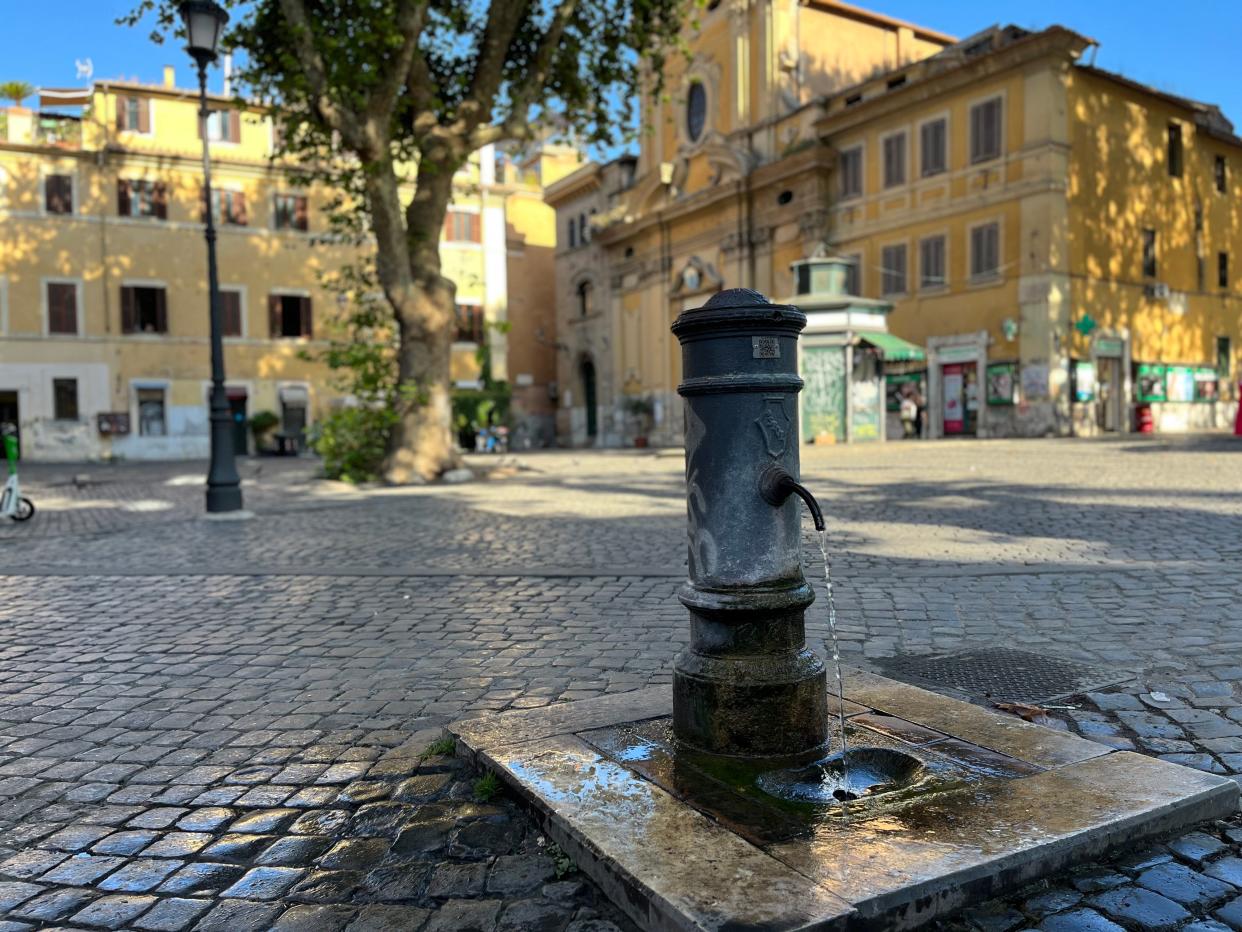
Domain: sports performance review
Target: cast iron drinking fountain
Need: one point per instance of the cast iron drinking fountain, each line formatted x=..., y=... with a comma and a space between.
x=745, y=810
x=748, y=687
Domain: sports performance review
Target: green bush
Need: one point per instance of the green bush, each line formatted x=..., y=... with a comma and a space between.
x=263, y=423
x=353, y=441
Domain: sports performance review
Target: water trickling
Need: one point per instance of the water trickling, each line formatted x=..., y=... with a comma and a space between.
x=836, y=663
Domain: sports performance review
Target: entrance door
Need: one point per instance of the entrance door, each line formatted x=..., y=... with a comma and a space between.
x=9, y=417
x=954, y=381
x=588, y=397
x=237, y=411
x=1108, y=412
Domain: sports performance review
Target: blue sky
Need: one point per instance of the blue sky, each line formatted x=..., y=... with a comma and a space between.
x=1191, y=50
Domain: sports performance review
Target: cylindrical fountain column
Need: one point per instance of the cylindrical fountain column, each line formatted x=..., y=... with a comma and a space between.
x=747, y=685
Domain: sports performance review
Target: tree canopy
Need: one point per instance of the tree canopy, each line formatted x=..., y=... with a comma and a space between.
x=372, y=96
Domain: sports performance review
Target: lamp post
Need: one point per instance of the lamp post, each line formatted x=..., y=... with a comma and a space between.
x=204, y=21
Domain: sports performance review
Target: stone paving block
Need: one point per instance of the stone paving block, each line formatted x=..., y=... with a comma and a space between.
x=238, y=916
x=172, y=914
x=128, y=842
x=263, y=822
x=75, y=837
x=237, y=847
x=159, y=817
x=1227, y=869
x=517, y=874
x=26, y=865
x=1079, y=920
x=139, y=875
x=264, y=883
x=1196, y=847
x=457, y=915
x=201, y=878
x=458, y=880
x=326, y=886
x=533, y=915
x=112, y=912
x=389, y=919
x=1231, y=914
x=294, y=850
x=54, y=904
x=314, y=919
x=1183, y=885
x=82, y=869
x=355, y=854
x=177, y=845
x=1144, y=908
x=320, y=822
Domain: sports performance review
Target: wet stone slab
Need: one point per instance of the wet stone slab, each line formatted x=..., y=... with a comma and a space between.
x=684, y=841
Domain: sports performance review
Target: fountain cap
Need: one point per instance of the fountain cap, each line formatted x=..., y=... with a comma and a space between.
x=739, y=309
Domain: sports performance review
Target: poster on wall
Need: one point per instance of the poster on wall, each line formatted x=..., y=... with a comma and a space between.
x=1207, y=384
x=1084, y=380
x=865, y=410
x=1149, y=383
x=1034, y=382
x=954, y=415
x=1002, y=383
x=1179, y=383
x=823, y=397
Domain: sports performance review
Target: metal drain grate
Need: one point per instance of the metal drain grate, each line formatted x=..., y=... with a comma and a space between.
x=1001, y=674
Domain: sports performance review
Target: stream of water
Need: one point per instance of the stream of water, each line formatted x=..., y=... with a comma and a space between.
x=836, y=663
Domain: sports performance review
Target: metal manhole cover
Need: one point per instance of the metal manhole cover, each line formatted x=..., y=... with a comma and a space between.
x=1001, y=674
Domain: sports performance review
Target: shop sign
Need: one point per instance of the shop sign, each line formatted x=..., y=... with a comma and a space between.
x=1109, y=347
x=1207, y=384
x=958, y=353
x=1002, y=383
x=114, y=424
x=954, y=416
x=1180, y=383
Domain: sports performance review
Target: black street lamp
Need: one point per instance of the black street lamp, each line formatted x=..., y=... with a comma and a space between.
x=204, y=21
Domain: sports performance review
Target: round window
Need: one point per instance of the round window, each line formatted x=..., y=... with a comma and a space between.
x=696, y=110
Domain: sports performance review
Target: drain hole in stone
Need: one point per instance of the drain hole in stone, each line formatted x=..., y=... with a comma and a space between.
x=865, y=771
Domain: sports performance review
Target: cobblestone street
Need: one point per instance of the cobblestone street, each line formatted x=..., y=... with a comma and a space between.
x=229, y=725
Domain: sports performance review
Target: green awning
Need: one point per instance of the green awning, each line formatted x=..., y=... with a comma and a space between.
x=894, y=348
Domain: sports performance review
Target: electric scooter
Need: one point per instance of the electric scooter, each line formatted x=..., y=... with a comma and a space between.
x=12, y=503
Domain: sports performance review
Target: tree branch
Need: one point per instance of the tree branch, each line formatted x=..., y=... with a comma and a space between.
x=338, y=118
x=517, y=124
x=503, y=18
x=411, y=16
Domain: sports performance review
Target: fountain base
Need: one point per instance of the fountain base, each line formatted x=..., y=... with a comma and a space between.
x=956, y=804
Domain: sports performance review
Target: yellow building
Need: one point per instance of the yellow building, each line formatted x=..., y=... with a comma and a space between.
x=1056, y=237
x=103, y=308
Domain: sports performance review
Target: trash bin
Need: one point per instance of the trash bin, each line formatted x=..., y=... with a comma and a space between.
x=1144, y=423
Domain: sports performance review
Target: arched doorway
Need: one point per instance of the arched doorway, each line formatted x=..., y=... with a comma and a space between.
x=586, y=370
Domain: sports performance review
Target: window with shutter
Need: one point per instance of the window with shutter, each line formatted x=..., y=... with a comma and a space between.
x=985, y=130
x=58, y=194
x=985, y=251
x=933, y=146
x=123, y=199
x=1175, y=150
x=893, y=274
x=850, y=166
x=853, y=278
x=62, y=307
x=932, y=262
x=469, y=323
x=144, y=309
x=144, y=115
x=1150, y=268
x=307, y=324
x=160, y=200
x=291, y=212
x=895, y=160
x=290, y=316
x=1222, y=269
x=230, y=313
x=65, y=399
x=275, y=313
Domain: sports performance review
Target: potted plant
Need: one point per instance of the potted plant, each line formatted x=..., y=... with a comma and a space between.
x=16, y=91
x=262, y=423
x=642, y=409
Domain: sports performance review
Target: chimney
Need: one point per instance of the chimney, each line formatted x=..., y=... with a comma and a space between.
x=170, y=76
x=228, y=74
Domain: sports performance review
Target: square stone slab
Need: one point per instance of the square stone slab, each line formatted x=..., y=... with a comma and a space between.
x=677, y=847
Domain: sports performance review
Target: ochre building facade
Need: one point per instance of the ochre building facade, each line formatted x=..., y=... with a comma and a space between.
x=1059, y=240
x=104, y=348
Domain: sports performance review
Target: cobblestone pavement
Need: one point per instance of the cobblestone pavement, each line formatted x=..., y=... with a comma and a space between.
x=219, y=725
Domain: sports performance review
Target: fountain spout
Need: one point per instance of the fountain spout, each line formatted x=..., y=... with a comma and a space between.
x=776, y=485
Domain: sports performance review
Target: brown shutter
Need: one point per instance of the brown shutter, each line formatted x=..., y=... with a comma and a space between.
x=476, y=228
x=230, y=313
x=234, y=126
x=122, y=197
x=160, y=199
x=305, y=308
x=239, y=209
x=144, y=115
x=161, y=310
x=129, y=312
x=300, y=217
x=122, y=112
x=274, y=322
x=448, y=225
